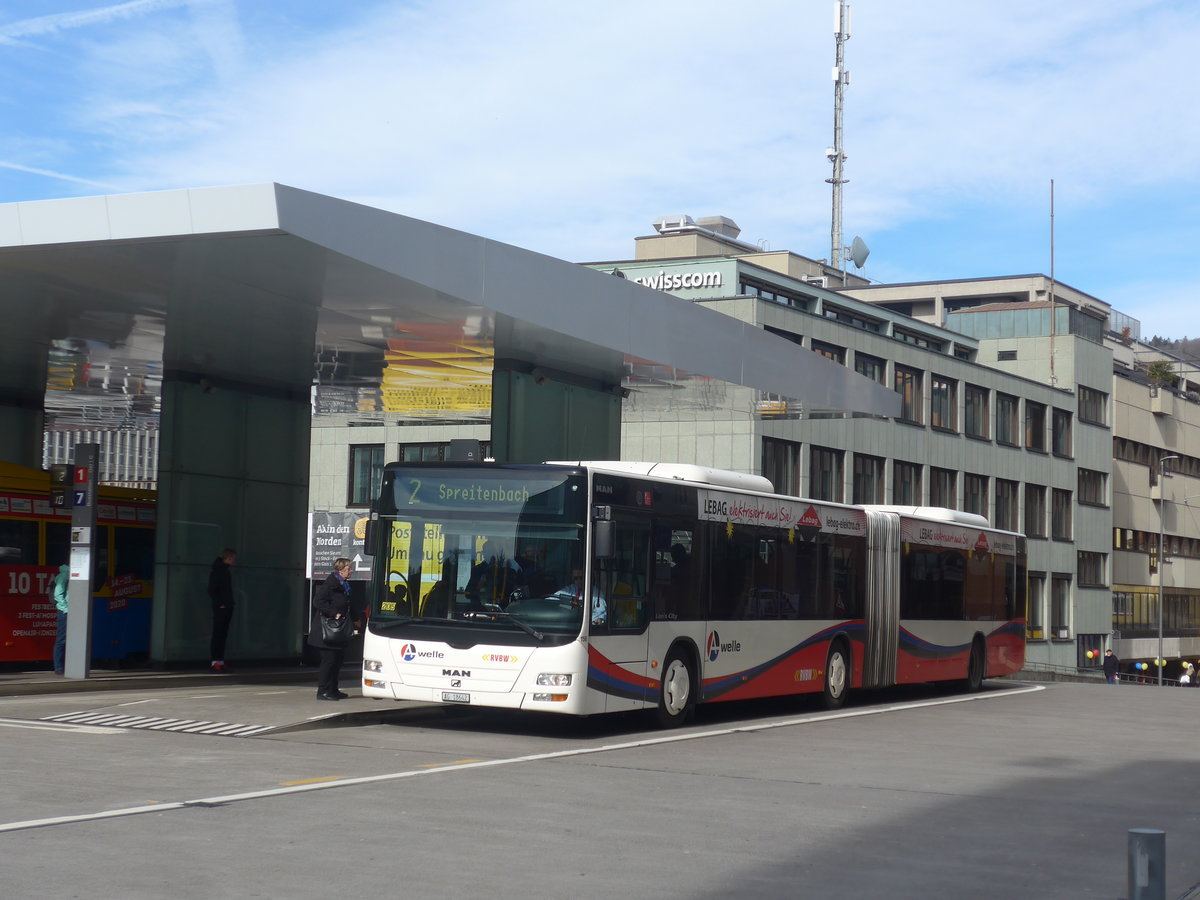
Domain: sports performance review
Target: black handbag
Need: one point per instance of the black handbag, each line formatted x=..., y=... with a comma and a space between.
x=336, y=631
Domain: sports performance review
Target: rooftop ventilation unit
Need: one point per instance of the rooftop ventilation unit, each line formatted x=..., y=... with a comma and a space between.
x=673, y=223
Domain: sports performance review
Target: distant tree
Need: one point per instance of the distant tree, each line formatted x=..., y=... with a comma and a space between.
x=1161, y=372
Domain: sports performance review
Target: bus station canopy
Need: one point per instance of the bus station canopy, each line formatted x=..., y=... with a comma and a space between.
x=239, y=285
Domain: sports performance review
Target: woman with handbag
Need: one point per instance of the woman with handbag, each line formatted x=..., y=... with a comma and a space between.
x=331, y=628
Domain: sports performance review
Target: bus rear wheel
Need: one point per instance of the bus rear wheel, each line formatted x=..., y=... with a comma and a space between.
x=837, y=676
x=975, y=667
x=676, y=698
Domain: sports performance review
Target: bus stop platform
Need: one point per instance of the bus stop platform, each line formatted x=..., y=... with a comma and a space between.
x=241, y=702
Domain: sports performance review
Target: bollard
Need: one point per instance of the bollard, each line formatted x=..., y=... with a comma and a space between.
x=1147, y=864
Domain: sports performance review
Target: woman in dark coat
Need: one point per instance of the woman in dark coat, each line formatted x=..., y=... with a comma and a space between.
x=332, y=599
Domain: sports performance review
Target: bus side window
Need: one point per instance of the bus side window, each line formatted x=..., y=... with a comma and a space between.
x=674, y=589
x=733, y=553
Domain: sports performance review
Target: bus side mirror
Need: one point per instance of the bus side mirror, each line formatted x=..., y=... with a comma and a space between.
x=369, y=533
x=603, y=537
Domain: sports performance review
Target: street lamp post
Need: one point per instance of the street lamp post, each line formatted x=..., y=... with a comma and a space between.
x=1162, y=558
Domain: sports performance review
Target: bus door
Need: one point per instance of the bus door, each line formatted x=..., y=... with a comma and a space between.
x=620, y=604
x=883, y=599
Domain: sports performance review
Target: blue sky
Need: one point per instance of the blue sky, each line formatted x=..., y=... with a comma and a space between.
x=568, y=128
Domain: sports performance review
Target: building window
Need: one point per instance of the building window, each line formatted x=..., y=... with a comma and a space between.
x=1093, y=487
x=825, y=474
x=1122, y=539
x=943, y=488
x=975, y=411
x=849, y=318
x=773, y=294
x=435, y=451
x=1091, y=568
x=1035, y=426
x=366, y=472
x=1006, y=355
x=781, y=464
x=1060, y=606
x=918, y=340
x=975, y=499
x=1036, y=611
x=906, y=484
x=868, y=479
x=830, y=351
x=1060, y=515
x=1035, y=510
x=431, y=452
x=1131, y=451
x=1093, y=406
x=786, y=335
x=1006, y=420
x=908, y=386
x=1061, y=433
x=943, y=403
x=1006, y=504
x=870, y=367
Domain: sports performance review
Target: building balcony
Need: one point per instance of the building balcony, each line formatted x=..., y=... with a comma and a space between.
x=1163, y=402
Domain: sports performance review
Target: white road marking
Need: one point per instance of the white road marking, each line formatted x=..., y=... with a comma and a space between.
x=508, y=761
x=159, y=723
x=57, y=726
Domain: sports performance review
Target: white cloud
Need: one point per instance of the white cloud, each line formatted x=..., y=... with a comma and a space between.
x=55, y=23
x=567, y=128
x=60, y=176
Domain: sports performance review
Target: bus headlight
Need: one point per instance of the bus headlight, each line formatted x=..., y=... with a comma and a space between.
x=372, y=665
x=554, y=679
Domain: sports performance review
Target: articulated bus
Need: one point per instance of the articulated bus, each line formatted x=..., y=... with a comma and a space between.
x=595, y=587
x=35, y=539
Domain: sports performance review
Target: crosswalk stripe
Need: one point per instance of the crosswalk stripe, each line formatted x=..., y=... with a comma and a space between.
x=159, y=723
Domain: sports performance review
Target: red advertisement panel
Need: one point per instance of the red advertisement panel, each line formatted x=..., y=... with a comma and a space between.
x=27, y=615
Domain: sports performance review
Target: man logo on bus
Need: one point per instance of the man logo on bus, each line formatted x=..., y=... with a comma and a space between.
x=408, y=652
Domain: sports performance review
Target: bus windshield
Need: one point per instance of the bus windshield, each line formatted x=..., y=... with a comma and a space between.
x=480, y=548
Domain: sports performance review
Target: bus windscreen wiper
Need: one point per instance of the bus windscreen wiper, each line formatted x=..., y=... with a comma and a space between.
x=492, y=613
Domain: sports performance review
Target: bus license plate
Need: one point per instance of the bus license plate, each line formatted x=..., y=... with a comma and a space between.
x=455, y=697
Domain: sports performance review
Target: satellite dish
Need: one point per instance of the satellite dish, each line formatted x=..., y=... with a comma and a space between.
x=859, y=251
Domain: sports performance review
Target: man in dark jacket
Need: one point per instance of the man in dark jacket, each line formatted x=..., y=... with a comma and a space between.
x=220, y=591
x=1111, y=665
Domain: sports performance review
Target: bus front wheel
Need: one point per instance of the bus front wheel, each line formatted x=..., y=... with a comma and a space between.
x=837, y=676
x=676, y=698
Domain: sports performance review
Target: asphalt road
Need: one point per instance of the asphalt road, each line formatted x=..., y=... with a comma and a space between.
x=1023, y=791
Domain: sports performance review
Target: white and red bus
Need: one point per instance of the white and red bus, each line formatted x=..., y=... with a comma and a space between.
x=594, y=587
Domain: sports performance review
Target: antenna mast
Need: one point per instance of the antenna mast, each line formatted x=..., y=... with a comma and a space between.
x=1053, y=305
x=841, y=78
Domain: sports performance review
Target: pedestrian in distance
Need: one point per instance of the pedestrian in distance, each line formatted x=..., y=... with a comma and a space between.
x=220, y=592
x=1111, y=665
x=58, y=592
x=332, y=599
